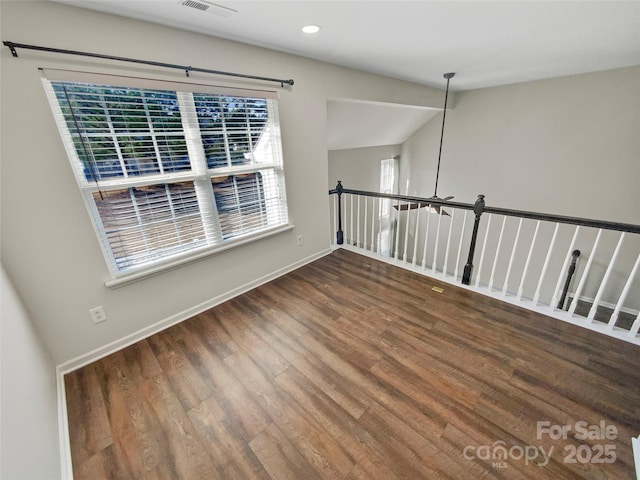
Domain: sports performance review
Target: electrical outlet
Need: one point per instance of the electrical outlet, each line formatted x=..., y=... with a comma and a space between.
x=97, y=314
x=299, y=240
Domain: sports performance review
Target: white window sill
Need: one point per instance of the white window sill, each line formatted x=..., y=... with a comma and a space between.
x=139, y=274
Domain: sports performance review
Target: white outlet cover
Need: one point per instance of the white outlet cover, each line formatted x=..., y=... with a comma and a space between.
x=98, y=314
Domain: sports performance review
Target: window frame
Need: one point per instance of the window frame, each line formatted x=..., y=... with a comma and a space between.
x=200, y=174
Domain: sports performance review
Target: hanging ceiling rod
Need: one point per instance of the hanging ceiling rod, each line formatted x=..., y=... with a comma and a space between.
x=436, y=207
x=448, y=76
x=12, y=46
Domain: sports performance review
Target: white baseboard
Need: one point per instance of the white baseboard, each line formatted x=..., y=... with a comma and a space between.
x=143, y=333
x=635, y=442
x=101, y=352
x=66, y=467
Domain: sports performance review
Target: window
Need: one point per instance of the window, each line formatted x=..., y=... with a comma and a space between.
x=169, y=173
x=389, y=175
x=388, y=184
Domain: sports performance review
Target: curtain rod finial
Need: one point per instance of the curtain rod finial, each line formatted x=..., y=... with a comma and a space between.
x=12, y=47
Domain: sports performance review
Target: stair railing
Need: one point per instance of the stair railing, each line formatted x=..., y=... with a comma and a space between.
x=525, y=258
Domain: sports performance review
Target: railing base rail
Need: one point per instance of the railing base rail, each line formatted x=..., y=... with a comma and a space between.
x=513, y=299
x=533, y=253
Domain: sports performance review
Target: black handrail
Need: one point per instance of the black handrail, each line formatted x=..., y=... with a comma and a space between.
x=586, y=222
x=479, y=208
x=406, y=198
x=583, y=222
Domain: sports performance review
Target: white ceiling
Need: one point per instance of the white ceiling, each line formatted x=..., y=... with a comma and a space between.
x=356, y=124
x=487, y=43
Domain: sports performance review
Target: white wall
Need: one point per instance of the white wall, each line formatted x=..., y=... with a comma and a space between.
x=566, y=145
x=29, y=421
x=49, y=247
x=359, y=168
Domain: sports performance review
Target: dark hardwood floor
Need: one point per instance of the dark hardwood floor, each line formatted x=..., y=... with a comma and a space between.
x=349, y=368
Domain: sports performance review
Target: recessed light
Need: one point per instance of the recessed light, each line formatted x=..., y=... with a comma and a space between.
x=311, y=29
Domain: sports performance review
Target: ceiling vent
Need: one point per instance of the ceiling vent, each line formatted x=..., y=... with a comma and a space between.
x=208, y=7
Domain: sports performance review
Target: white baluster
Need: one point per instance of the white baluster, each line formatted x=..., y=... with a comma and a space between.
x=513, y=254
x=536, y=296
x=406, y=233
x=416, y=235
x=351, y=220
x=379, y=240
x=635, y=327
x=526, y=265
x=585, y=274
x=364, y=230
x=446, y=252
x=435, y=247
x=345, y=230
x=358, y=224
x=344, y=216
x=365, y=224
x=484, y=247
x=373, y=224
x=464, y=222
x=397, y=255
x=623, y=295
x=426, y=240
x=390, y=229
x=605, y=279
x=497, y=255
x=561, y=277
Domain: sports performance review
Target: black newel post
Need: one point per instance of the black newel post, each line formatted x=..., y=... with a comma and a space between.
x=478, y=208
x=339, y=234
x=572, y=269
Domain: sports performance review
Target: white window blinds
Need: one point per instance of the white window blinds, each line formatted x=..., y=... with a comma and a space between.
x=169, y=172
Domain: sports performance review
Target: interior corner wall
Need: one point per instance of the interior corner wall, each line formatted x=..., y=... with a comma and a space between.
x=29, y=414
x=359, y=168
x=566, y=145
x=49, y=248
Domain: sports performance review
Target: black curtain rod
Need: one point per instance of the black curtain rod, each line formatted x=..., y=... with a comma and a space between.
x=12, y=46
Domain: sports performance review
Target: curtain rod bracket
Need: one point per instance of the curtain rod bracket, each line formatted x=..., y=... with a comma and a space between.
x=12, y=48
x=187, y=69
